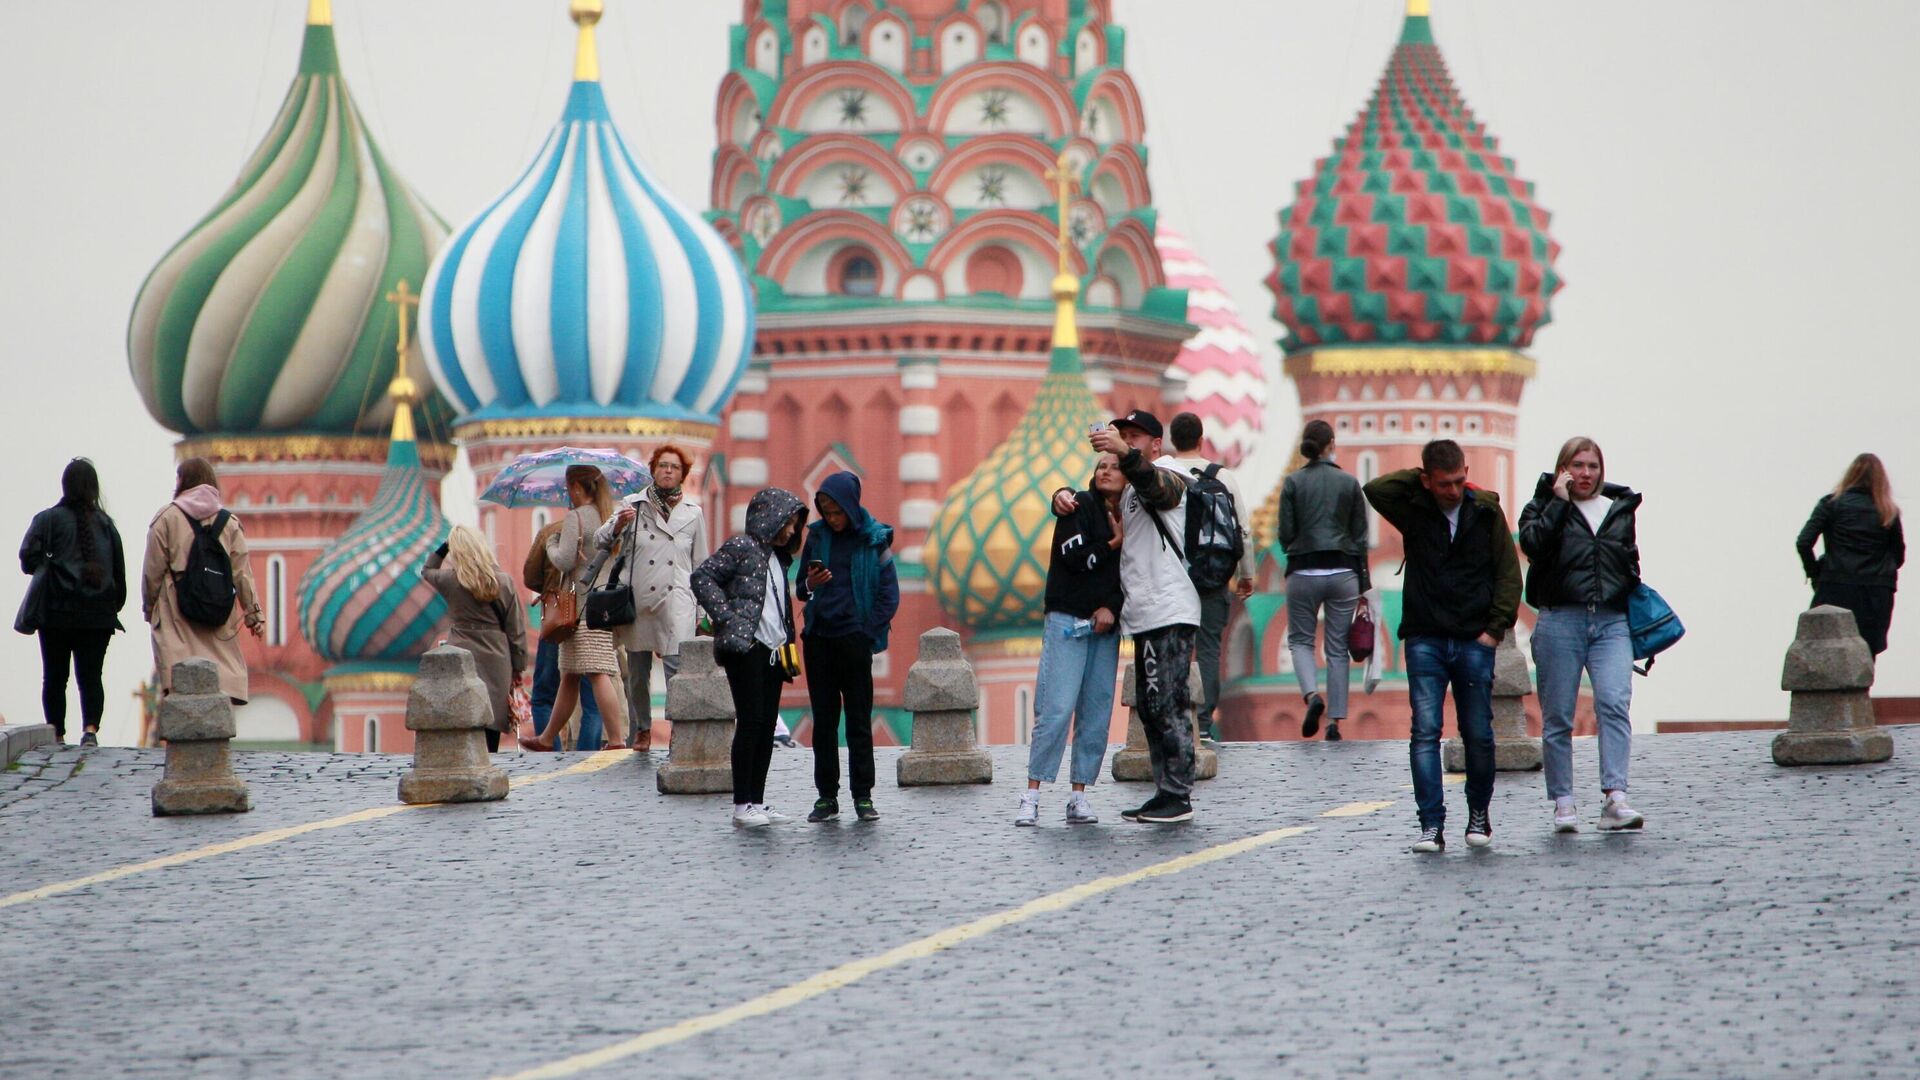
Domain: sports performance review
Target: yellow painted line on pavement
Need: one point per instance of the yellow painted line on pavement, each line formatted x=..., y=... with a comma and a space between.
x=1355, y=809
x=833, y=979
x=598, y=761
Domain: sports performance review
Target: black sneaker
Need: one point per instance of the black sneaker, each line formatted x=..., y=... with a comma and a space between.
x=784, y=742
x=1316, y=705
x=1479, y=828
x=1154, y=803
x=1333, y=731
x=864, y=810
x=1170, y=811
x=824, y=810
x=1431, y=841
x=89, y=739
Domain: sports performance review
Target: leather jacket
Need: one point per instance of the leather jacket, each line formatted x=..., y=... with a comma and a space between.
x=1571, y=563
x=1859, y=550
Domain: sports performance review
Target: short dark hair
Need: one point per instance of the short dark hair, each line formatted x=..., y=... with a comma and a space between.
x=1186, y=430
x=1442, y=456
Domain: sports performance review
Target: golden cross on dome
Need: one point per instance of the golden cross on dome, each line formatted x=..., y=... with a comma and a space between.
x=1066, y=284
x=1065, y=182
x=402, y=389
x=403, y=299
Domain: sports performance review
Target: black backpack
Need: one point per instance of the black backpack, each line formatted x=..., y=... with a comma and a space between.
x=205, y=588
x=1214, y=545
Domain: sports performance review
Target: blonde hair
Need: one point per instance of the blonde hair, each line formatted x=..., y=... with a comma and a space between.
x=1868, y=472
x=594, y=482
x=473, y=564
x=1576, y=445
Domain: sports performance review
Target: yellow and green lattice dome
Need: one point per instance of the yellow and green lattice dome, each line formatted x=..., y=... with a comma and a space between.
x=987, y=552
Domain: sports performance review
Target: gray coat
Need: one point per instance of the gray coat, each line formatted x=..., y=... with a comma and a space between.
x=1323, y=518
x=495, y=632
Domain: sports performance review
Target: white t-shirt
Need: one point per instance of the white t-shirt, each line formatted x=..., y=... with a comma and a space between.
x=1594, y=510
x=1453, y=518
x=772, y=631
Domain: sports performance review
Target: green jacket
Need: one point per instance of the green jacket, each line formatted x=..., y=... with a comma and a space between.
x=1460, y=584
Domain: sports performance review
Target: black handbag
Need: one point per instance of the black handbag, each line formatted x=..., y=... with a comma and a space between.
x=33, y=607
x=611, y=605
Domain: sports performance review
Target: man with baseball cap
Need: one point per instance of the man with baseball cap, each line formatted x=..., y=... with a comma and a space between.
x=1162, y=611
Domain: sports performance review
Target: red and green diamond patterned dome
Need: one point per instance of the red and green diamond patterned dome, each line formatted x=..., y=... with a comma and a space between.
x=1415, y=230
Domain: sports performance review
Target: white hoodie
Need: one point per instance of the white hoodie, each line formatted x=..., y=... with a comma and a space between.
x=1152, y=572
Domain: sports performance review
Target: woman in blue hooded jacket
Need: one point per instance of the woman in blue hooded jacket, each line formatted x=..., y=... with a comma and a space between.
x=851, y=595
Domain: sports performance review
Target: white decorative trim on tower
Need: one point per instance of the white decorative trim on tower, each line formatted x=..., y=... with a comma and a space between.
x=747, y=424
x=920, y=466
x=918, y=513
x=920, y=420
x=748, y=472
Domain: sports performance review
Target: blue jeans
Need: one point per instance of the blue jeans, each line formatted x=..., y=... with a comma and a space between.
x=1432, y=664
x=1075, y=683
x=546, y=684
x=1567, y=640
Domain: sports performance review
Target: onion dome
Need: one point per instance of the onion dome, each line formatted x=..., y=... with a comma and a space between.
x=364, y=599
x=267, y=316
x=1220, y=364
x=1415, y=230
x=587, y=290
x=988, y=549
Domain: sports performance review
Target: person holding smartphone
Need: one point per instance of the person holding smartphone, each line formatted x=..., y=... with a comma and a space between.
x=851, y=593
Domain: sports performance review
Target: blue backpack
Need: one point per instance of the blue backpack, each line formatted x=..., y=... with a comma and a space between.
x=1654, y=626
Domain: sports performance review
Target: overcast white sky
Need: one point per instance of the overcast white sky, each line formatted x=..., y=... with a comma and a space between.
x=1732, y=183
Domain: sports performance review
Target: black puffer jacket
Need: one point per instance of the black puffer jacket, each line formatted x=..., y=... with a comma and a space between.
x=1860, y=550
x=732, y=584
x=1569, y=563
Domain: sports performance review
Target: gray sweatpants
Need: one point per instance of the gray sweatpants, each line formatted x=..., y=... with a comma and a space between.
x=1307, y=594
x=640, y=687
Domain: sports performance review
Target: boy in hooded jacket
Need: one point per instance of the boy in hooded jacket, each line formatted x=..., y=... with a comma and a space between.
x=851, y=594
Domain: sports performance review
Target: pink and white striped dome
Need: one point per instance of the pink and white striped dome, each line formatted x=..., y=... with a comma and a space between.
x=1221, y=364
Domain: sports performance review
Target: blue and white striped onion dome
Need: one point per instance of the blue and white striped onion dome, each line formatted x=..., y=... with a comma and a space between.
x=587, y=290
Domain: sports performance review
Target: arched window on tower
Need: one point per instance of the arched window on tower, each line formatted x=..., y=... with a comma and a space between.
x=858, y=274
x=1367, y=467
x=852, y=22
x=373, y=735
x=276, y=600
x=993, y=21
x=542, y=517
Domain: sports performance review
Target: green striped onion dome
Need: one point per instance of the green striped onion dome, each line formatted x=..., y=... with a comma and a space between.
x=1416, y=230
x=270, y=315
x=987, y=552
x=364, y=598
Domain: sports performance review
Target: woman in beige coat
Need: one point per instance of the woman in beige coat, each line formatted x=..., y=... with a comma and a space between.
x=663, y=534
x=486, y=617
x=585, y=655
x=196, y=501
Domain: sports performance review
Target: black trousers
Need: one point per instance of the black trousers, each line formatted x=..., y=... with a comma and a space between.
x=84, y=652
x=840, y=673
x=1872, y=607
x=756, y=686
x=493, y=741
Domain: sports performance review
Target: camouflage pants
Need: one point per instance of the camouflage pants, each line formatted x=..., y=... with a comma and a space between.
x=1162, y=659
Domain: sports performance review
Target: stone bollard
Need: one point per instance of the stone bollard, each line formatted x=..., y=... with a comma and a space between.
x=1513, y=749
x=1133, y=763
x=196, y=720
x=942, y=696
x=700, y=753
x=1829, y=670
x=448, y=713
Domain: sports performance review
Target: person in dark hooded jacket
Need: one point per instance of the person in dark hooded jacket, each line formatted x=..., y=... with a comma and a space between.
x=1865, y=546
x=743, y=587
x=851, y=594
x=1578, y=533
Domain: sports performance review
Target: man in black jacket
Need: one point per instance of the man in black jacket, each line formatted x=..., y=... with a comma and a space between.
x=1461, y=597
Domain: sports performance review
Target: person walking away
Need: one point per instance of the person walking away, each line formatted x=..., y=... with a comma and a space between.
x=1865, y=545
x=486, y=619
x=77, y=550
x=544, y=579
x=196, y=582
x=1162, y=611
x=664, y=536
x=743, y=588
x=1220, y=561
x=1461, y=596
x=1323, y=530
x=851, y=594
x=585, y=654
x=1080, y=647
x=1583, y=561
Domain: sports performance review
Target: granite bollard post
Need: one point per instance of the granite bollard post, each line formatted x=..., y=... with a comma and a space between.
x=448, y=713
x=1133, y=762
x=700, y=752
x=196, y=720
x=942, y=695
x=1513, y=749
x=1829, y=670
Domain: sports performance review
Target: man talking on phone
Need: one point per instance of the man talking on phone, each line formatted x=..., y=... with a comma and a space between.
x=851, y=593
x=1461, y=596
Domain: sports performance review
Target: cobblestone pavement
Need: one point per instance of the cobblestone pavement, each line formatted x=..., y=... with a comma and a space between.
x=1764, y=925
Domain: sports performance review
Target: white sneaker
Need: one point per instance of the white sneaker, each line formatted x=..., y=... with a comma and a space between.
x=750, y=817
x=1079, y=811
x=1029, y=809
x=1618, y=815
x=774, y=817
x=1566, y=816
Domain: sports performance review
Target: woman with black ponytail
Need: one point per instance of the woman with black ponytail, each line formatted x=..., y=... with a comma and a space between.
x=84, y=585
x=1323, y=529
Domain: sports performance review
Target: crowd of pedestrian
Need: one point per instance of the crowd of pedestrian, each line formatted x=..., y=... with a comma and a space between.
x=1156, y=548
